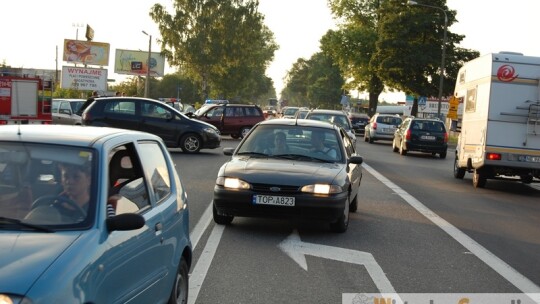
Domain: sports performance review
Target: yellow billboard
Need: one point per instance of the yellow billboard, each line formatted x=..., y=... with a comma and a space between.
x=86, y=52
x=136, y=63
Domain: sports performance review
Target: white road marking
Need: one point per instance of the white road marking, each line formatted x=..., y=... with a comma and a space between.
x=505, y=270
x=203, y=264
x=201, y=226
x=297, y=250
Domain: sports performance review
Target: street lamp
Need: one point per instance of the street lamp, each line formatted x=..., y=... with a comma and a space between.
x=147, y=83
x=441, y=78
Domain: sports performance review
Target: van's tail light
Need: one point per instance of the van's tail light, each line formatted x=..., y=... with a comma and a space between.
x=408, y=135
x=445, y=137
x=493, y=156
x=374, y=126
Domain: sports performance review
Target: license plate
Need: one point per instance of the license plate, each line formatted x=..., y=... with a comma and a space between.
x=427, y=137
x=273, y=200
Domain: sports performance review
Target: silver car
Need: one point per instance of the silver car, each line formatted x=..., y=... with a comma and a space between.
x=381, y=127
x=64, y=111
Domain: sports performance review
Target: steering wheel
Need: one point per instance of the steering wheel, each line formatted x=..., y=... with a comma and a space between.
x=58, y=199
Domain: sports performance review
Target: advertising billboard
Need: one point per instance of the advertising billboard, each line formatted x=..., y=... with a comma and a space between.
x=80, y=78
x=86, y=52
x=135, y=63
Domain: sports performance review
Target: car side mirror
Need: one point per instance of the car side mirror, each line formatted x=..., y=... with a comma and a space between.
x=355, y=159
x=125, y=221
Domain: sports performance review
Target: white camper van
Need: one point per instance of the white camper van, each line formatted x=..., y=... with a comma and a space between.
x=500, y=132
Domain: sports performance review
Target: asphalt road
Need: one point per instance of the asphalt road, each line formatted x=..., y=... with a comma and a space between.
x=417, y=230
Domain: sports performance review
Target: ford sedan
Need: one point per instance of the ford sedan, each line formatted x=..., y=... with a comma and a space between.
x=288, y=168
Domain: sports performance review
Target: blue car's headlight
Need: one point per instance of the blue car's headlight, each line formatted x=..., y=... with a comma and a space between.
x=11, y=299
x=232, y=183
x=322, y=189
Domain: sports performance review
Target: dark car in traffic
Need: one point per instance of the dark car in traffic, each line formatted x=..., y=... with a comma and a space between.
x=231, y=119
x=359, y=122
x=336, y=117
x=152, y=116
x=288, y=168
x=422, y=135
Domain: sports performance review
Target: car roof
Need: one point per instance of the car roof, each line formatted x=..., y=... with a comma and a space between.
x=69, y=99
x=84, y=136
x=299, y=122
x=328, y=111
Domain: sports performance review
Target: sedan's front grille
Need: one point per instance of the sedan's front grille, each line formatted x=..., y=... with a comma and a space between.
x=276, y=189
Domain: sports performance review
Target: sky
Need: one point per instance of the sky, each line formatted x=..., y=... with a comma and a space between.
x=32, y=30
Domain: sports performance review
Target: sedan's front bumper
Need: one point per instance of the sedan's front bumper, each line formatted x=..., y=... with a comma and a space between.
x=307, y=206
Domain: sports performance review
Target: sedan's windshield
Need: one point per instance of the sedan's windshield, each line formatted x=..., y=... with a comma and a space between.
x=45, y=186
x=294, y=143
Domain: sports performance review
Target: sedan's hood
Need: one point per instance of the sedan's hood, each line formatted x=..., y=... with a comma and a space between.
x=279, y=171
x=25, y=256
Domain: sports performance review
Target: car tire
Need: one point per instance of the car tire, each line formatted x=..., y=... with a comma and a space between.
x=244, y=131
x=479, y=179
x=235, y=136
x=179, y=293
x=366, y=139
x=394, y=147
x=190, y=143
x=221, y=219
x=458, y=172
x=442, y=155
x=342, y=223
x=526, y=179
x=353, y=205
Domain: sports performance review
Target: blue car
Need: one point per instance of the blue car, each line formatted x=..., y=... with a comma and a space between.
x=90, y=215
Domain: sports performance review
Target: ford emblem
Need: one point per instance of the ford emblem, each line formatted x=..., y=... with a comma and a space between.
x=275, y=189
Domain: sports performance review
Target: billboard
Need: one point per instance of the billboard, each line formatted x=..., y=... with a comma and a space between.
x=86, y=52
x=80, y=78
x=135, y=63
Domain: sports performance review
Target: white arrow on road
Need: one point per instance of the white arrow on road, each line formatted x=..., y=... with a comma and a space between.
x=297, y=250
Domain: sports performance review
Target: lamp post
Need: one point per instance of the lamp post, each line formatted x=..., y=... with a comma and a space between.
x=441, y=78
x=147, y=83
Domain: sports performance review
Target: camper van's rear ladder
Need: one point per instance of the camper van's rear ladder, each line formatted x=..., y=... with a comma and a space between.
x=533, y=119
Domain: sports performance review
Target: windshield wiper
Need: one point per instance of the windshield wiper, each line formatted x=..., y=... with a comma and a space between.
x=252, y=153
x=302, y=157
x=6, y=220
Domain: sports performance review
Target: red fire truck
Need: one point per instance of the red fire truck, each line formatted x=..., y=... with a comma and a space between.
x=25, y=100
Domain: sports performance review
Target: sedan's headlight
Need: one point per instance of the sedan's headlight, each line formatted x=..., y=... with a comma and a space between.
x=232, y=183
x=322, y=189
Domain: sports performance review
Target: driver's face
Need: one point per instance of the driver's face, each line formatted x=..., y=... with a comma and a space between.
x=75, y=181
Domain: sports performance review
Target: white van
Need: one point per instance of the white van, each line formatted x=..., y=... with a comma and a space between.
x=500, y=128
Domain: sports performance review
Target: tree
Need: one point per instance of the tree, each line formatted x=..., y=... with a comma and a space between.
x=354, y=45
x=409, y=49
x=314, y=82
x=221, y=44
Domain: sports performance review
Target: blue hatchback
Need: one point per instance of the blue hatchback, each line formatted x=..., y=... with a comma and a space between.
x=90, y=215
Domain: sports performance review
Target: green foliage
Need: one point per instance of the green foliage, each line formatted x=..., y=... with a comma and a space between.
x=314, y=83
x=221, y=44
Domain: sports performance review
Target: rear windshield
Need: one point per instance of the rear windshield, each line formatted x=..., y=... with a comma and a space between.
x=389, y=120
x=432, y=126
